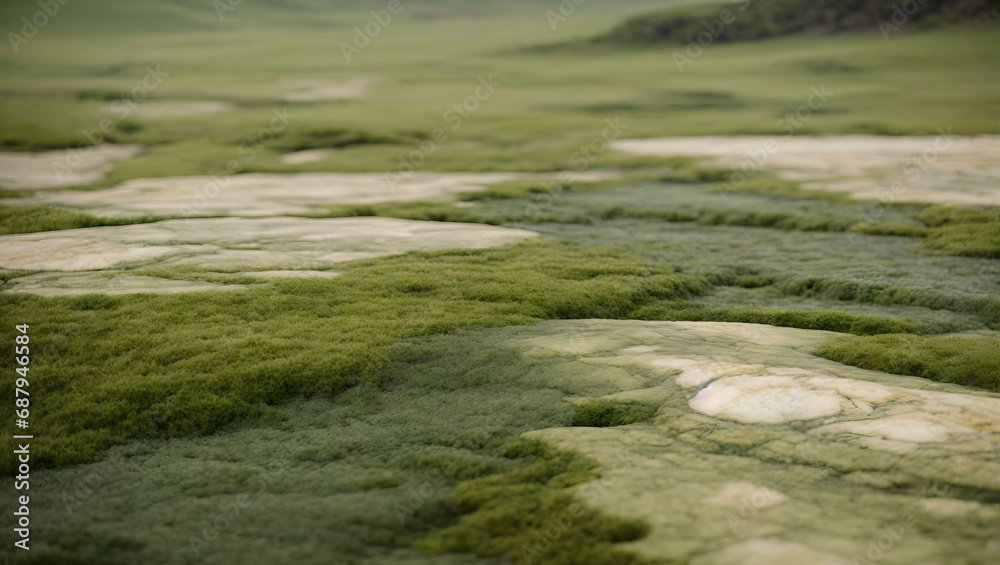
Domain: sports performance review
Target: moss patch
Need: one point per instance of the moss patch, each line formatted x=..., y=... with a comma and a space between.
x=29, y=219
x=965, y=360
x=606, y=413
x=528, y=516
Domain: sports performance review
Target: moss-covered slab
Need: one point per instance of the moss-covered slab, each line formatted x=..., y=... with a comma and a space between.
x=761, y=452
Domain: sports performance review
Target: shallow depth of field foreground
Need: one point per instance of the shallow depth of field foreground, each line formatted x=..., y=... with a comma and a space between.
x=455, y=282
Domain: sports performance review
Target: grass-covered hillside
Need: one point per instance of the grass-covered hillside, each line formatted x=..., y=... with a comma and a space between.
x=760, y=19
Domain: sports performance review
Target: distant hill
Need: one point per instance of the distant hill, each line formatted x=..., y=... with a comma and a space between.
x=750, y=20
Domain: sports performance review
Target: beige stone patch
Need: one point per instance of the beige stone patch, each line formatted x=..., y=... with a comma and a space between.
x=242, y=243
x=280, y=247
x=308, y=90
x=739, y=493
x=307, y=156
x=75, y=284
x=953, y=507
x=770, y=551
x=942, y=169
x=64, y=167
x=177, y=108
x=766, y=400
x=267, y=194
x=704, y=373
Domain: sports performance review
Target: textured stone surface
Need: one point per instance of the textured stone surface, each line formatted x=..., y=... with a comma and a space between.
x=281, y=247
x=65, y=167
x=763, y=453
x=266, y=194
x=949, y=169
x=74, y=284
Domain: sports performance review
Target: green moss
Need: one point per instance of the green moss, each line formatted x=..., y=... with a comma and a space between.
x=192, y=363
x=890, y=228
x=964, y=360
x=606, y=413
x=763, y=183
x=805, y=319
x=27, y=219
x=528, y=516
x=764, y=19
x=299, y=139
x=969, y=240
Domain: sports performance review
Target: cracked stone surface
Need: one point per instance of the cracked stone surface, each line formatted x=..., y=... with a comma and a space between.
x=275, y=246
x=269, y=194
x=64, y=167
x=761, y=452
x=942, y=169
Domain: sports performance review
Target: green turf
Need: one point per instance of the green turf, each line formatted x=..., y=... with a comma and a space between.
x=965, y=360
x=27, y=219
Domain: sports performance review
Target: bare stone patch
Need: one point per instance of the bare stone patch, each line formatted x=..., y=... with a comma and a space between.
x=308, y=90
x=941, y=169
x=75, y=284
x=306, y=156
x=63, y=167
x=283, y=247
x=267, y=194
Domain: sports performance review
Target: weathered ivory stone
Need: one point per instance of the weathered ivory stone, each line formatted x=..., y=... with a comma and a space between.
x=761, y=452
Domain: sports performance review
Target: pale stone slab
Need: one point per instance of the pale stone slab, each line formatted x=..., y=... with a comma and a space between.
x=63, y=167
x=75, y=284
x=941, y=169
x=270, y=194
x=309, y=90
x=239, y=244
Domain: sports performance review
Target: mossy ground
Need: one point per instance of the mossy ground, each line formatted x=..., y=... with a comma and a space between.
x=27, y=219
x=366, y=388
